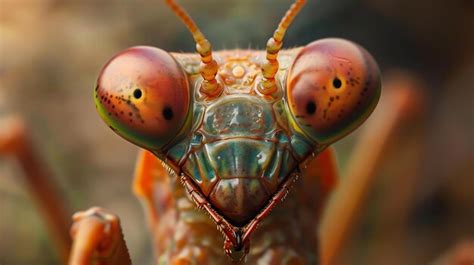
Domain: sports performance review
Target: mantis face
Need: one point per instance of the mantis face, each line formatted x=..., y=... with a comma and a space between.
x=236, y=128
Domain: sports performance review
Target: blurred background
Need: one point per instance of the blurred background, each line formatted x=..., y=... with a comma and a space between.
x=421, y=203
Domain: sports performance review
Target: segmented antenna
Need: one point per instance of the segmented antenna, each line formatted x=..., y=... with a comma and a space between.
x=274, y=44
x=209, y=66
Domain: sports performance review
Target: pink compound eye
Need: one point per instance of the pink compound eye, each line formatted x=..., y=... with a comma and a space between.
x=143, y=95
x=332, y=87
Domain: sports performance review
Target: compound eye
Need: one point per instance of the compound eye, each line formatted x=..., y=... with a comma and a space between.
x=332, y=87
x=143, y=95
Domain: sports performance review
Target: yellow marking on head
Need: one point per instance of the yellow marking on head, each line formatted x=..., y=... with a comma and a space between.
x=238, y=71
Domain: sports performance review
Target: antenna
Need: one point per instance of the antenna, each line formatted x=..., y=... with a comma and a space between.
x=274, y=44
x=209, y=66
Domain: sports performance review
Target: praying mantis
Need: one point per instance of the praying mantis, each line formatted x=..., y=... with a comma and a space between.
x=233, y=133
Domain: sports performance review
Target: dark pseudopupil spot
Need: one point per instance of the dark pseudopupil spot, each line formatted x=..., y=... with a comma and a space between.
x=167, y=113
x=337, y=83
x=310, y=107
x=137, y=93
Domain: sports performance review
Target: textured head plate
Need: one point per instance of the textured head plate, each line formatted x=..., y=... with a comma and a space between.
x=241, y=153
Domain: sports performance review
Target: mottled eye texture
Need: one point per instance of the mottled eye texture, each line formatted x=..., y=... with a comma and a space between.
x=332, y=87
x=143, y=95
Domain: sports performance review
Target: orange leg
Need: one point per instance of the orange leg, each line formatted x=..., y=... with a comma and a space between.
x=322, y=172
x=151, y=185
x=97, y=234
x=14, y=142
x=460, y=254
x=399, y=103
x=98, y=239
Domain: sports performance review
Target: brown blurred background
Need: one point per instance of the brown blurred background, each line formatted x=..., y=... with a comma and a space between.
x=422, y=202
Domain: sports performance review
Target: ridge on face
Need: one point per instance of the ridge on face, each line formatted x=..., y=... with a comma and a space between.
x=237, y=164
x=241, y=148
